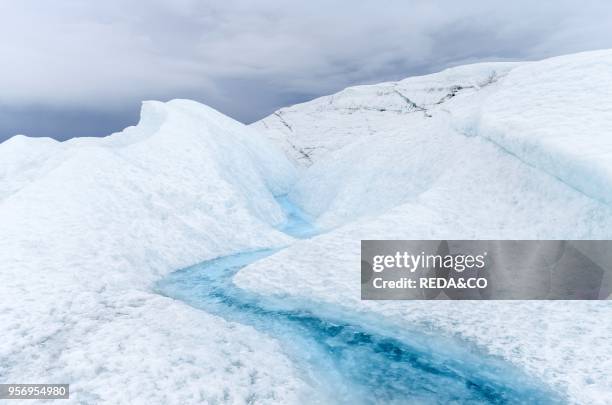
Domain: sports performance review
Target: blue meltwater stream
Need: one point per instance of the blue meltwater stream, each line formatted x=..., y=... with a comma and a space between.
x=346, y=361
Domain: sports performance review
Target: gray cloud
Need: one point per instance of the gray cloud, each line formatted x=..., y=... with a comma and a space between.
x=85, y=66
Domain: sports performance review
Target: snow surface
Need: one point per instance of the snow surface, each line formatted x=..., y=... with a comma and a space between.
x=310, y=130
x=564, y=343
x=89, y=224
x=486, y=151
x=494, y=150
x=557, y=116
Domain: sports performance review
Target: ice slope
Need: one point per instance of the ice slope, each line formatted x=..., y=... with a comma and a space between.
x=479, y=190
x=310, y=130
x=498, y=151
x=557, y=116
x=89, y=224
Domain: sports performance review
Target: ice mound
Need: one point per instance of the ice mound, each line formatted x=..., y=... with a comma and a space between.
x=23, y=159
x=503, y=150
x=557, y=116
x=89, y=224
x=177, y=182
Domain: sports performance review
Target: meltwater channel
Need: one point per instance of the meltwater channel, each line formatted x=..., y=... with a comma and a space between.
x=345, y=361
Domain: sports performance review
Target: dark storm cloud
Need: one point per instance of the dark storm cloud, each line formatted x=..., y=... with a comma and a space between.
x=81, y=68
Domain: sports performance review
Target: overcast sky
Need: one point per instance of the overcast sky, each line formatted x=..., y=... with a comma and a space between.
x=81, y=68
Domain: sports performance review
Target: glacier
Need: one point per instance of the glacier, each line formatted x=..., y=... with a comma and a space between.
x=91, y=226
x=485, y=151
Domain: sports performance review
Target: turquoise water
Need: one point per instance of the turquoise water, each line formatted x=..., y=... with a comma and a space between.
x=298, y=224
x=345, y=362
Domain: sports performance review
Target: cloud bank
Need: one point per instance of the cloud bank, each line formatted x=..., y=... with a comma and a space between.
x=72, y=68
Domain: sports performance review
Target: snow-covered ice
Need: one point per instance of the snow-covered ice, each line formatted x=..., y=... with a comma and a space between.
x=565, y=343
x=557, y=116
x=89, y=224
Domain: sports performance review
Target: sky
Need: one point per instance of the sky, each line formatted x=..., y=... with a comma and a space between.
x=81, y=68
